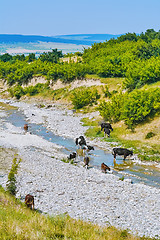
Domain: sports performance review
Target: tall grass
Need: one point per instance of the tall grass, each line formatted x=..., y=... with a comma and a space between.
x=19, y=222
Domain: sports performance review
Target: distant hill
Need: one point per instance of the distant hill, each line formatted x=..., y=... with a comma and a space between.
x=79, y=39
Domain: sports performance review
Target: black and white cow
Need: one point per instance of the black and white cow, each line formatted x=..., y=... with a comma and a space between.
x=88, y=147
x=80, y=141
x=72, y=155
x=107, y=131
x=106, y=125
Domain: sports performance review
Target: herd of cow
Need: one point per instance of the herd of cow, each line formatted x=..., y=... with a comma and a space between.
x=81, y=143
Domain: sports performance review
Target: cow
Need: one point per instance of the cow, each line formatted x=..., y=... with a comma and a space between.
x=106, y=125
x=72, y=155
x=80, y=141
x=104, y=167
x=122, y=151
x=88, y=147
x=25, y=127
x=29, y=201
x=86, y=162
x=107, y=131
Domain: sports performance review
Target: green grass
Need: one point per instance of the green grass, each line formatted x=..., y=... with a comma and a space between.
x=89, y=122
x=112, y=83
x=4, y=106
x=19, y=222
x=152, y=85
x=65, y=160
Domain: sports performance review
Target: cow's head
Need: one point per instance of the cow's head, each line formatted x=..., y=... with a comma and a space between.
x=131, y=153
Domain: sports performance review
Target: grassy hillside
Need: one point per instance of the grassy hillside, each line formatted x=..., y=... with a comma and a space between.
x=18, y=222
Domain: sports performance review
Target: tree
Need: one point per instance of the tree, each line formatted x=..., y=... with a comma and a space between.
x=31, y=57
x=51, y=56
x=19, y=57
x=6, y=57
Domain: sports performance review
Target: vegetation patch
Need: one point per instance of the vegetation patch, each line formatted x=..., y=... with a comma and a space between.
x=90, y=121
x=65, y=160
x=133, y=108
x=4, y=106
x=11, y=183
x=149, y=135
x=84, y=96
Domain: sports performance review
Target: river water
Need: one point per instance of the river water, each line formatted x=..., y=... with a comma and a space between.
x=148, y=174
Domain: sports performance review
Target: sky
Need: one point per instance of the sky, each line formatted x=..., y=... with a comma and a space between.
x=62, y=17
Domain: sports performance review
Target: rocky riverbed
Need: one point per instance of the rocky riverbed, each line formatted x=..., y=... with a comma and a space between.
x=60, y=187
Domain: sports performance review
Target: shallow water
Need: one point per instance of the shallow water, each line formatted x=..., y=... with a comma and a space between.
x=149, y=175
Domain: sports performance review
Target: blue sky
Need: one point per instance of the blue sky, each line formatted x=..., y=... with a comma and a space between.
x=60, y=17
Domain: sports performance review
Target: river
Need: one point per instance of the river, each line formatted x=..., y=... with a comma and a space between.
x=144, y=173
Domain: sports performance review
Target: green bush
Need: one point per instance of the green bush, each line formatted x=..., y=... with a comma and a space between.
x=149, y=135
x=112, y=110
x=132, y=107
x=17, y=91
x=11, y=183
x=139, y=105
x=84, y=97
x=106, y=92
x=51, y=56
x=38, y=88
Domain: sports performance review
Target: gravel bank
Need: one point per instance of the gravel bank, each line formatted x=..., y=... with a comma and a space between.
x=60, y=187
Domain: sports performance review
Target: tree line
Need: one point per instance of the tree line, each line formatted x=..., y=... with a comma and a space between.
x=133, y=57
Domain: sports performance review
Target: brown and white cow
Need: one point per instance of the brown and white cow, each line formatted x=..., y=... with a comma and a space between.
x=104, y=168
x=86, y=162
x=29, y=201
x=25, y=127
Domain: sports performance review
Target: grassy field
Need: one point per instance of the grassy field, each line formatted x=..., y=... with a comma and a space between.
x=19, y=222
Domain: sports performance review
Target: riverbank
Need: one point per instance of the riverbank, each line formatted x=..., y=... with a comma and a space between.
x=59, y=187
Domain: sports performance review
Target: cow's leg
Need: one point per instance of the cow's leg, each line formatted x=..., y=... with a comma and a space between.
x=114, y=162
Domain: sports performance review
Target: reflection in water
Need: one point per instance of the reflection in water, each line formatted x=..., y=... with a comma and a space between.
x=138, y=173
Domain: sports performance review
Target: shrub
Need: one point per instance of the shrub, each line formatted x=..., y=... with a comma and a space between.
x=139, y=105
x=11, y=183
x=112, y=110
x=17, y=91
x=149, y=135
x=106, y=92
x=132, y=107
x=83, y=97
x=38, y=88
